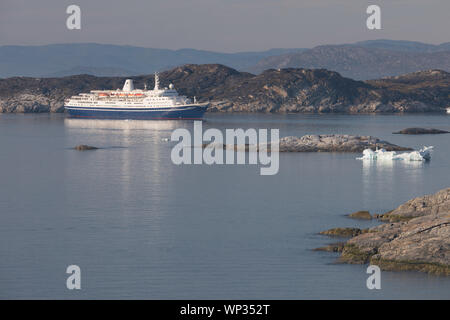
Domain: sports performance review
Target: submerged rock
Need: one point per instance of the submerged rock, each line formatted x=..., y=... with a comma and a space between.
x=83, y=147
x=420, y=131
x=417, y=238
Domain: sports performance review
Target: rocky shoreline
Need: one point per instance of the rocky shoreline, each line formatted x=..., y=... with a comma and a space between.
x=415, y=237
x=292, y=90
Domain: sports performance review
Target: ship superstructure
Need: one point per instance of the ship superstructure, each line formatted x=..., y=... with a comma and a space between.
x=131, y=103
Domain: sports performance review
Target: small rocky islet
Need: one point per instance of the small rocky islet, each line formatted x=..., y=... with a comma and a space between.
x=84, y=147
x=413, y=131
x=415, y=237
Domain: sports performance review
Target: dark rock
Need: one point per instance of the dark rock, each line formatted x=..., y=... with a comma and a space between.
x=420, y=131
x=83, y=147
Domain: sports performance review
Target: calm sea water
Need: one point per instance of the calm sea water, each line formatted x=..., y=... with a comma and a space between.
x=141, y=227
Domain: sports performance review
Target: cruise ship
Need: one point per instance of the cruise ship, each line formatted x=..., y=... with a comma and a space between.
x=131, y=103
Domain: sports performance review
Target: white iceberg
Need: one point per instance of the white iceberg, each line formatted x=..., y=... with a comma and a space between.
x=423, y=154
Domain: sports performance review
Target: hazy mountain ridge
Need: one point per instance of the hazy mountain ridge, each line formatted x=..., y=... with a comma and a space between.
x=228, y=90
x=99, y=72
x=96, y=59
x=359, y=62
x=403, y=45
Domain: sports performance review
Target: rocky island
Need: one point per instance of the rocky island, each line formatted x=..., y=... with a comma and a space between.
x=335, y=143
x=291, y=90
x=416, y=237
x=323, y=143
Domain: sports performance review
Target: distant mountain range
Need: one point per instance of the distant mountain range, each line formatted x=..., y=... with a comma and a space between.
x=228, y=90
x=58, y=60
x=361, y=60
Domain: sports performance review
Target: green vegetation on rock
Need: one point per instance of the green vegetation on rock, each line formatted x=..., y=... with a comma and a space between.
x=404, y=265
x=353, y=254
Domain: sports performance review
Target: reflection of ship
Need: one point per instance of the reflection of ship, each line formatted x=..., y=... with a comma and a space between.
x=131, y=103
x=110, y=124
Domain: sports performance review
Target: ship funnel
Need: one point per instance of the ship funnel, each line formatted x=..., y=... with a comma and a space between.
x=128, y=86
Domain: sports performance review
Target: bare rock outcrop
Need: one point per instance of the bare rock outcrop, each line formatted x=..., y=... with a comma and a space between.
x=417, y=237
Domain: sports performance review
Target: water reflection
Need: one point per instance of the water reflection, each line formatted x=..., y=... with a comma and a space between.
x=123, y=124
x=383, y=165
x=390, y=175
x=132, y=153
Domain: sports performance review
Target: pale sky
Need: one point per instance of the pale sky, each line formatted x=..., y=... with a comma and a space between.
x=222, y=25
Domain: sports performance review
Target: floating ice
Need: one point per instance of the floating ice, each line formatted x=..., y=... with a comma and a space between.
x=423, y=154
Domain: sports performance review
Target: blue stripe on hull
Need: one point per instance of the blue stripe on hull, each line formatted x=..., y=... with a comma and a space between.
x=186, y=113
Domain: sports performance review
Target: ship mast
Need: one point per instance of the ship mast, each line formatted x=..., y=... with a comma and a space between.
x=156, y=81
